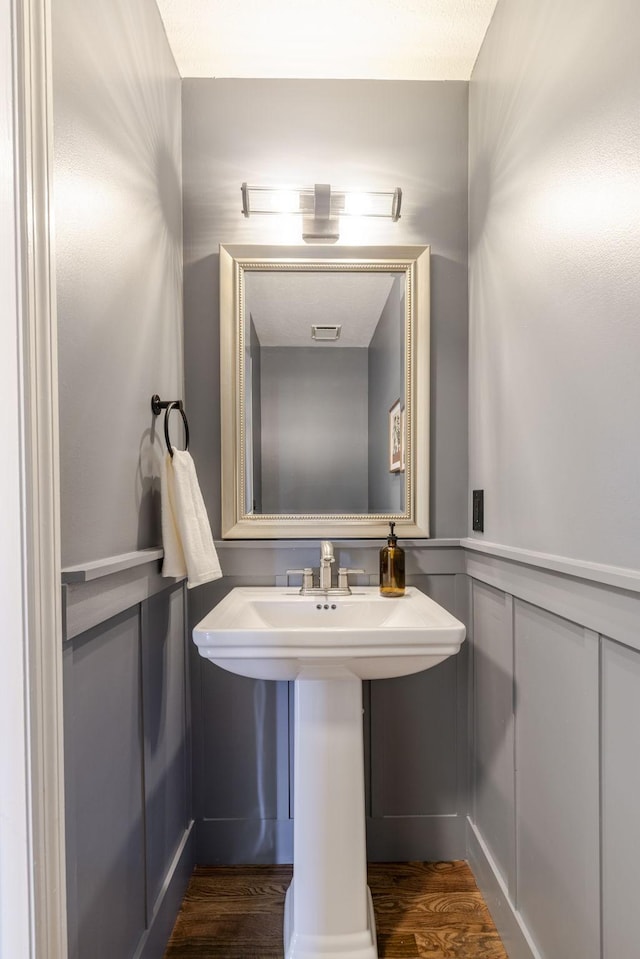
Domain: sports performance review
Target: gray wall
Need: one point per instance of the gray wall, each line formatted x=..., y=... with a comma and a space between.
x=360, y=133
x=554, y=390
x=554, y=285
x=377, y=134
x=118, y=237
x=314, y=429
x=386, y=385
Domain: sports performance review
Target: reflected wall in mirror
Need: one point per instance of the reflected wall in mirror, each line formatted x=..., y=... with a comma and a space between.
x=324, y=358
x=320, y=350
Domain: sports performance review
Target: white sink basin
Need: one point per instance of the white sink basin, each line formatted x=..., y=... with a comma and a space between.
x=273, y=633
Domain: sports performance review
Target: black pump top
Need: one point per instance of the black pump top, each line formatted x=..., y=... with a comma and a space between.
x=393, y=539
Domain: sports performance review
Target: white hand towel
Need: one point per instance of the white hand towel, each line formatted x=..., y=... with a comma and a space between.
x=174, y=564
x=189, y=541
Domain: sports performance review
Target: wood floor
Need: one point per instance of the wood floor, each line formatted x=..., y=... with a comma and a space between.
x=423, y=911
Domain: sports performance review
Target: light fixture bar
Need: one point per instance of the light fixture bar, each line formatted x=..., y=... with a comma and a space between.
x=320, y=202
x=373, y=204
x=280, y=200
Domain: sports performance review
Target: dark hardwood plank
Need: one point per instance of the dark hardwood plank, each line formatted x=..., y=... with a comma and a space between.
x=423, y=911
x=420, y=876
x=397, y=946
x=452, y=944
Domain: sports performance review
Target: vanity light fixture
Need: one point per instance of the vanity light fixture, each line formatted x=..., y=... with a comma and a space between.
x=320, y=206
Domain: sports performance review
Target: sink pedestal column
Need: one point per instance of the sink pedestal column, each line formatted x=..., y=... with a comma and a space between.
x=328, y=911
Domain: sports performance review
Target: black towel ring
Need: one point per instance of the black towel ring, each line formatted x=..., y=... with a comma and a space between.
x=168, y=405
x=175, y=406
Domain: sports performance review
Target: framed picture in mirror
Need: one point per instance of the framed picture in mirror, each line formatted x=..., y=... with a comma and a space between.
x=395, y=437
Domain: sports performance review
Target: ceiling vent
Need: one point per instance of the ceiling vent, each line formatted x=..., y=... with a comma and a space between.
x=326, y=333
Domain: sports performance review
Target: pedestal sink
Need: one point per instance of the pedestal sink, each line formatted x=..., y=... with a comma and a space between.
x=328, y=645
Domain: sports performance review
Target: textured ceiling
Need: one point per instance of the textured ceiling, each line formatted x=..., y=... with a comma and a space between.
x=284, y=306
x=334, y=39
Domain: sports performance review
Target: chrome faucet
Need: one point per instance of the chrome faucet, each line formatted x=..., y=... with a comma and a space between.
x=327, y=559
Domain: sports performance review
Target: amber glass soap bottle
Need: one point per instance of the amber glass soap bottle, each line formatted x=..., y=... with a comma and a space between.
x=392, y=566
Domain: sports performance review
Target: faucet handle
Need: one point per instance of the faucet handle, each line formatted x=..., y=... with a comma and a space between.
x=306, y=573
x=343, y=576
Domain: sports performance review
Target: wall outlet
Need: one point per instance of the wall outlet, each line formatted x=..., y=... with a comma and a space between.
x=478, y=511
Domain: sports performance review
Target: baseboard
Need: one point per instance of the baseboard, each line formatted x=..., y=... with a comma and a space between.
x=242, y=842
x=513, y=932
x=425, y=838
x=154, y=941
x=232, y=842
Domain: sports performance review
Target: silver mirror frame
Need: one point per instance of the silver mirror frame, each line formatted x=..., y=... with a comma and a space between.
x=413, y=261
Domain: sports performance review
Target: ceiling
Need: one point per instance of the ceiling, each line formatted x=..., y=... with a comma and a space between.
x=285, y=305
x=335, y=39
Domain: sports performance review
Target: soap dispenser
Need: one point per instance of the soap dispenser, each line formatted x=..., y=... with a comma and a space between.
x=392, y=566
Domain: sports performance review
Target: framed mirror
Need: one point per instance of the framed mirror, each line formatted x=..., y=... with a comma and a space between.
x=324, y=373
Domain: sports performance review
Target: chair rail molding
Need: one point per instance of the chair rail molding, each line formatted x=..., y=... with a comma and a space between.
x=605, y=599
x=617, y=576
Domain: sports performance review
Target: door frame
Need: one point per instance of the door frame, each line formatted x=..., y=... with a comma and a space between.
x=26, y=27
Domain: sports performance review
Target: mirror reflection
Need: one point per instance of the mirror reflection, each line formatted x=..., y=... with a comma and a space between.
x=324, y=364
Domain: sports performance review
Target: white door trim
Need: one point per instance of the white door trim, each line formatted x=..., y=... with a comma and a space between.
x=15, y=899
x=36, y=323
